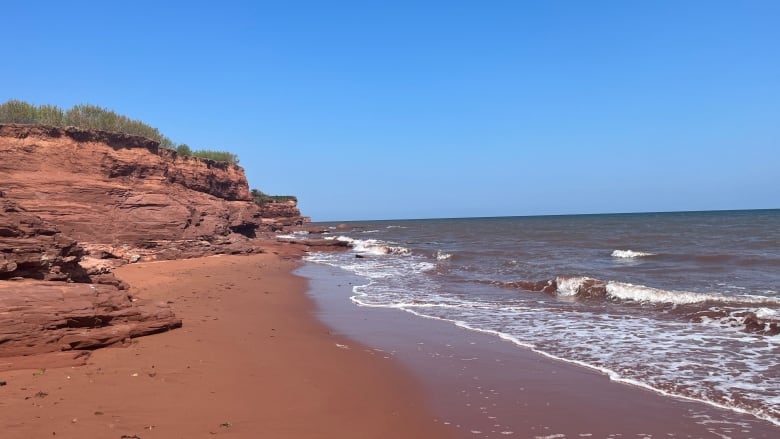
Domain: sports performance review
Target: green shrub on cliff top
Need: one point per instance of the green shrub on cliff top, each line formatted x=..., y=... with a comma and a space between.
x=261, y=198
x=15, y=111
x=184, y=149
x=93, y=117
x=219, y=156
x=50, y=115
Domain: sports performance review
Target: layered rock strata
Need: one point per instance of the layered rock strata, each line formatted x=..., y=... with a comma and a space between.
x=111, y=188
x=48, y=302
x=76, y=203
x=33, y=248
x=40, y=316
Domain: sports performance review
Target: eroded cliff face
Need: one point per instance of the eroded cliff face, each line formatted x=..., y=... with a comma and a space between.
x=109, y=188
x=76, y=203
x=51, y=302
x=33, y=248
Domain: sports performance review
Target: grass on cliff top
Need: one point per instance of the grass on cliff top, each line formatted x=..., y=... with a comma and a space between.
x=219, y=156
x=93, y=117
x=260, y=198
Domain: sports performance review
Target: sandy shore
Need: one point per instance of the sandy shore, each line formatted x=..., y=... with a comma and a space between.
x=486, y=387
x=251, y=361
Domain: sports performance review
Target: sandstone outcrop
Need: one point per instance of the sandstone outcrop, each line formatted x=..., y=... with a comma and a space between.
x=116, y=189
x=281, y=214
x=74, y=204
x=33, y=248
x=40, y=316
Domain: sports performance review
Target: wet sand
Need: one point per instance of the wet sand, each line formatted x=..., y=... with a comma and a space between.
x=250, y=361
x=486, y=387
x=254, y=360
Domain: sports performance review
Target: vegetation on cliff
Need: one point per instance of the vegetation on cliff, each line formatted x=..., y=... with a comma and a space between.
x=81, y=116
x=219, y=156
x=261, y=198
x=94, y=117
x=98, y=118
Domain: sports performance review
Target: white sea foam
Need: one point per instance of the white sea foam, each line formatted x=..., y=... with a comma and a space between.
x=727, y=368
x=374, y=246
x=768, y=313
x=630, y=254
x=398, y=282
x=640, y=293
x=569, y=286
x=441, y=256
x=294, y=235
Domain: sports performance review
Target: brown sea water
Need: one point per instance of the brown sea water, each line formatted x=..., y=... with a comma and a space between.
x=684, y=304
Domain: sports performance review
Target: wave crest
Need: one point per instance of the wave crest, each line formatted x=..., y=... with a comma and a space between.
x=753, y=314
x=441, y=256
x=374, y=246
x=629, y=254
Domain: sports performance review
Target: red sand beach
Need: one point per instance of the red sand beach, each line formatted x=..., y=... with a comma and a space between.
x=250, y=361
x=253, y=360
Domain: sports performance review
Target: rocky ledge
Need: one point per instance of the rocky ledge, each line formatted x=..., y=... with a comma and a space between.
x=50, y=302
x=74, y=204
x=42, y=316
x=116, y=189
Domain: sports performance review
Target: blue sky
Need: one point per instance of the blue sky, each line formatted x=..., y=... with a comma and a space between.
x=420, y=109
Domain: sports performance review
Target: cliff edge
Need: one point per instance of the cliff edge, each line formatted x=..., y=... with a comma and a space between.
x=112, y=188
x=76, y=203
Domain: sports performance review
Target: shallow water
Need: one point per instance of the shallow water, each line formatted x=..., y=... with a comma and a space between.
x=680, y=303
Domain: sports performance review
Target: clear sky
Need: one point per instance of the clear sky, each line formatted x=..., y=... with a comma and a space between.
x=419, y=109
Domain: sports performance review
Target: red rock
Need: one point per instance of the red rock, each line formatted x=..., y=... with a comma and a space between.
x=110, y=188
x=41, y=316
x=34, y=248
x=77, y=203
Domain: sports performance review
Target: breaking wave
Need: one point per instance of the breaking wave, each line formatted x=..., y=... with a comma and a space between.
x=755, y=314
x=442, y=256
x=294, y=235
x=627, y=254
x=700, y=318
x=373, y=246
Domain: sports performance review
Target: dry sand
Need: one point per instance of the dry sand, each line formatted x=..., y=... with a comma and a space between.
x=251, y=361
x=254, y=361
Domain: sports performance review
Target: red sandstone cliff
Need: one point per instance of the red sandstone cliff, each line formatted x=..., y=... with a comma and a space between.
x=75, y=203
x=110, y=188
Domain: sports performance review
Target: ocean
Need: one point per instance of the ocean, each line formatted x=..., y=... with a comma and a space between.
x=685, y=304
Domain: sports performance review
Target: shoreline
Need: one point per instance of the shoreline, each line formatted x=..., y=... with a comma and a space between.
x=273, y=347
x=251, y=360
x=489, y=387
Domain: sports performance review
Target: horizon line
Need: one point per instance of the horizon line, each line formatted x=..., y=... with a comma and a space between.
x=552, y=215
